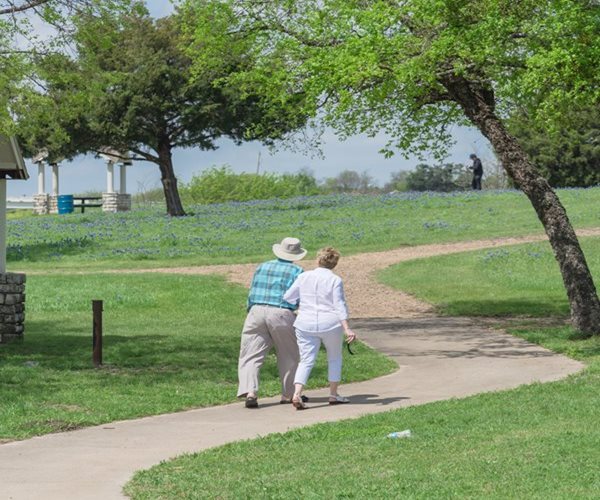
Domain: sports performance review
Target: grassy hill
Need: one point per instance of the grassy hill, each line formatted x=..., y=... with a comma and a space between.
x=244, y=232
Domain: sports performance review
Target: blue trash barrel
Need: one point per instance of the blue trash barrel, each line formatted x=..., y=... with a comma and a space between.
x=65, y=204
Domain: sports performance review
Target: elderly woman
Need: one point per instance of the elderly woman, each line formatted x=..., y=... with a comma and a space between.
x=323, y=317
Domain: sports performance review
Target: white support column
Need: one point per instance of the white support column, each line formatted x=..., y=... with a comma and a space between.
x=55, y=187
x=3, y=225
x=123, y=182
x=41, y=178
x=110, y=177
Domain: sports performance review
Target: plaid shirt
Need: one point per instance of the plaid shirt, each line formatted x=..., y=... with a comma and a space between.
x=271, y=280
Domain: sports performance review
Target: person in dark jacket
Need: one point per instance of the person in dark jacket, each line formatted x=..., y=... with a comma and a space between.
x=477, y=168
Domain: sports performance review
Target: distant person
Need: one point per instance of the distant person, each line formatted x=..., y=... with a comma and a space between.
x=323, y=317
x=270, y=323
x=477, y=168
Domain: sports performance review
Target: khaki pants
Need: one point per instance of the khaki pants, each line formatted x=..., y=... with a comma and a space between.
x=267, y=327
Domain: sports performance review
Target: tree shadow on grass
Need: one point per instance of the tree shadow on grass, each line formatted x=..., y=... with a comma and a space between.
x=44, y=252
x=71, y=349
x=515, y=306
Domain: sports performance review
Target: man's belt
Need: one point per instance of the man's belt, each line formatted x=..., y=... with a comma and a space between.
x=272, y=305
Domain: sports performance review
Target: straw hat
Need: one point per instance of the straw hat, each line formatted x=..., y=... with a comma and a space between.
x=289, y=249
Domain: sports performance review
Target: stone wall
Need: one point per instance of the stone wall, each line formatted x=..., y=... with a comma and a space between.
x=12, y=306
x=53, y=204
x=115, y=202
x=40, y=204
x=124, y=203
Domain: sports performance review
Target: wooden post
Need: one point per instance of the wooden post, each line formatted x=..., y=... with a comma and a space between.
x=97, y=333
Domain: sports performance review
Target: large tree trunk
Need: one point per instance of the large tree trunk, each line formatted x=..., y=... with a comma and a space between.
x=168, y=179
x=478, y=102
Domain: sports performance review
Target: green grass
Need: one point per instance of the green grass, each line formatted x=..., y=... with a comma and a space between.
x=171, y=343
x=244, y=232
x=18, y=214
x=522, y=279
x=537, y=441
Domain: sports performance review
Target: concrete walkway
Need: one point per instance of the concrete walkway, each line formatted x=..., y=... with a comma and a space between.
x=439, y=358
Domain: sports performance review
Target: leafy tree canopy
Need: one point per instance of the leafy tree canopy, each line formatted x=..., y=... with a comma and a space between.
x=29, y=28
x=129, y=86
x=444, y=178
x=569, y=158
x=380, y=65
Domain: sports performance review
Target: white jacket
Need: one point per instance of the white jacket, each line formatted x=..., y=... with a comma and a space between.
x=322, y=303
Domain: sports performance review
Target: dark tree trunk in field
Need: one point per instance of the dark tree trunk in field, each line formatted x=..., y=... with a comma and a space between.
x=169, y=181
x=478, y=104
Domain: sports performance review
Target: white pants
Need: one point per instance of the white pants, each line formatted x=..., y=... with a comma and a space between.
x=309, y=344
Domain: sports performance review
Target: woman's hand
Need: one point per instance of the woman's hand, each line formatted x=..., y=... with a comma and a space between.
x=350, y=336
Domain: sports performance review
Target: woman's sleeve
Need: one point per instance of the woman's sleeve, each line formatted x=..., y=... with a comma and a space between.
x=292, y=296
x=339, y=301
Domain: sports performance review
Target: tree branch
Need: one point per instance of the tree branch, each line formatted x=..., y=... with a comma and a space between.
x=144, y=156
x=21, y=8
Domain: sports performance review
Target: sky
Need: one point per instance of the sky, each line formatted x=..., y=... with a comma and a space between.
x=359, y=153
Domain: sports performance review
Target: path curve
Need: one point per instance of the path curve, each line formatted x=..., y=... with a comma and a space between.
x=363, y=291
x=439, y=358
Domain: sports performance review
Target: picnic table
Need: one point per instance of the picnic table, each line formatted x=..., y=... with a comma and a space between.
x=87, y=202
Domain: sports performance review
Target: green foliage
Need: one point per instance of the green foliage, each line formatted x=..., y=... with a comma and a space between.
x=569, y=157
x=148, y=197
x=170, y=343
x=221, y=184
x=128, y=86
x=397, y=182
x=444, y=178
x=21, y=43
x=375, y=66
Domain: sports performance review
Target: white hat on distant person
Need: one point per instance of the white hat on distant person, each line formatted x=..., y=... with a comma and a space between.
x=289, y=249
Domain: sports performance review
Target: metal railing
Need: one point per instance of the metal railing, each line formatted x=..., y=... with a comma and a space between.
x=21, y=202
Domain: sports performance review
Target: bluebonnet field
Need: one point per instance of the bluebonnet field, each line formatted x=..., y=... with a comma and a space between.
x=245, y=231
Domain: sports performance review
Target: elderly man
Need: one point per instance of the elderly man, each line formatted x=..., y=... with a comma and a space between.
x=270, y=323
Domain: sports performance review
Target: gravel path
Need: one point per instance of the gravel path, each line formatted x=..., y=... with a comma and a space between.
x=363, y=292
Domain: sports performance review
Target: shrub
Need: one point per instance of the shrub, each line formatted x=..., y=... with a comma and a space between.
x=444, y=178
x=221, y=184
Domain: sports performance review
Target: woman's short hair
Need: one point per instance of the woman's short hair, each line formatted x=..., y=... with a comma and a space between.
x=328, y=257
